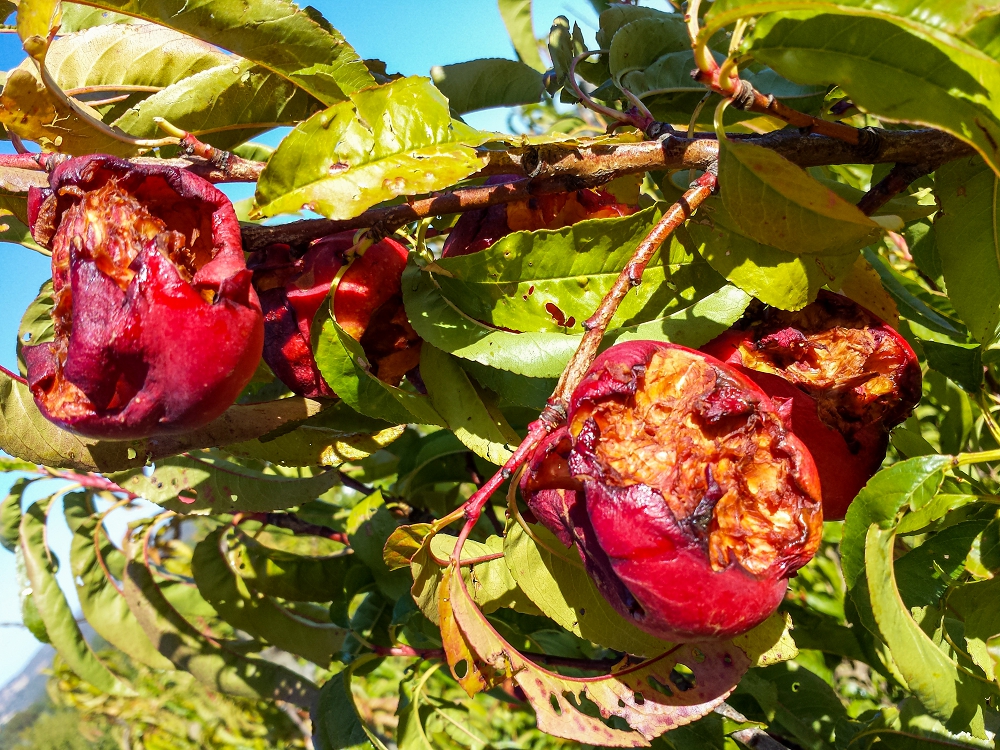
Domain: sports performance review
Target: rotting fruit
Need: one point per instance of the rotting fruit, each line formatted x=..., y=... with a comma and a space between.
x=842, y=377
x=477, y=230
x=689, y=501
x=157, y=327
x=367, y=304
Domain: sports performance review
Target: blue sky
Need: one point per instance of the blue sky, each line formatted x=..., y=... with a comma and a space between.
x=410, y=37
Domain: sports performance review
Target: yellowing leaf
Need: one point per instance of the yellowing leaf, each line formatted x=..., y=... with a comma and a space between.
x=644, y=694
x=864, y=286
x=397, y=139
x=37, y=18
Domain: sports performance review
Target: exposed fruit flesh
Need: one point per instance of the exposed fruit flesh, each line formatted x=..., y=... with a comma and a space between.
x=719, y=463
x=156, y=326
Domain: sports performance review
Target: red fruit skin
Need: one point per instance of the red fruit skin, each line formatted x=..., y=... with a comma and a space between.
x=477, y=230
x=292, y=292
x=843, y=471
x=141, y=350
x=651, y=566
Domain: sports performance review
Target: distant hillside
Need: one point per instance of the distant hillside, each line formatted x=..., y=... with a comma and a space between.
x=27, y=687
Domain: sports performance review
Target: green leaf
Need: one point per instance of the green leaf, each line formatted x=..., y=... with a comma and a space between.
x=127, y=54
x=694, y=325
x=335, y=719
x=951, y=16
x=336, y=434
x=76, y=17
x=298, y=44
x=296, y=568
x=29, y=612
x=206, y=483
x=440, y=323
x=913, y=482
x=785, y=280
x=60, y=625
x=554, y=579
x=963, y=363
x=188, y=649
x=489, y=582
x=36, y=324
x=553, y=280
x=910, y=306
x=968, y=243
x=979, y=607
x=344, y=365
x=224, y=105
x=924, y=574
x=397, y=139
x=899, y=74
x=490, y=82
x=10, y=515
x=370, y=526
x=26, y=434
x=930, y=675
x=776, y=203
x=516, y=16
x=480, y=427
x=101, y=600
x=798, y=703
x=257, y=614
x=12, y=229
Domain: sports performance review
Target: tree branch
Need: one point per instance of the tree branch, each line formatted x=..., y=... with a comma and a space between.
x=899, y=178
x=561, y=167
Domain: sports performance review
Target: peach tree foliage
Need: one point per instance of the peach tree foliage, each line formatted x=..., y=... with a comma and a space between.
x=309, y=552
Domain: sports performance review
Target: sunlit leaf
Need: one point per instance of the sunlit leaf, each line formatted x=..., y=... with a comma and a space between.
x=516, y=16
x=397, y=139
x=491, y=82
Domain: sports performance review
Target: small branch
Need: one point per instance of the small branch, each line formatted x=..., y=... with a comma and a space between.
x=899, y=178
x=295, y=524
x=90, y=481
x=236, y=168
x=353, y=484
x=630, y=277
x=557, y=167
x=425, y=653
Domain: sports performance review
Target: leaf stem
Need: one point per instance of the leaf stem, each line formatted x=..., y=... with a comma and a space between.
x=978, y=457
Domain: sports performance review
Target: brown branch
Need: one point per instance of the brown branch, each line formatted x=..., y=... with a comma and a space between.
x=899, y=178
x=560, y=167
x=295, y=524
x=630, y=277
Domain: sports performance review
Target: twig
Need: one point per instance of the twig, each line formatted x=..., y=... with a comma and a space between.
x=899, y=178
x=295, y=524
x=596, y=325
x=353, y=484
x=235, y=167
x=630, y=276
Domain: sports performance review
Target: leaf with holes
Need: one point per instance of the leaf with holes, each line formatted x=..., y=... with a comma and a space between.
x=396, y=139
x=653, y=696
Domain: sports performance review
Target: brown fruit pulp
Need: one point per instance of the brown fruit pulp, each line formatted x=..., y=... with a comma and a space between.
x=717, y=460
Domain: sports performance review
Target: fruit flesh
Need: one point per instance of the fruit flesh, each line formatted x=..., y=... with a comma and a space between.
x=850, y=378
